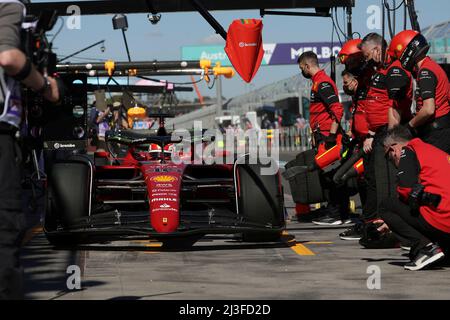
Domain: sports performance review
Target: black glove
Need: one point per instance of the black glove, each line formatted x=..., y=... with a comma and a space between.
x=412, y=130
x=415, y=197
x=330, y=141
x=347, y=141
x=418, y=197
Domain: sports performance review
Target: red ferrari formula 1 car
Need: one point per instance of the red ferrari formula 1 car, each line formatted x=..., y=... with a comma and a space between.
x=145, y=194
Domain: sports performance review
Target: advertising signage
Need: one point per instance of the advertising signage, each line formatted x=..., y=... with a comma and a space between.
x=274, y=53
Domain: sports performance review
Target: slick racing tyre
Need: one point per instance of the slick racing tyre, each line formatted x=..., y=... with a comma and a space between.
x=70, y=184
x=260, y=201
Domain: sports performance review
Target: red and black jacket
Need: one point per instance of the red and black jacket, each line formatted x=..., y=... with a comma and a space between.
x=324, y=103
x=358, y=122
x=425, y=164
x=389, y=87
x=432, y=82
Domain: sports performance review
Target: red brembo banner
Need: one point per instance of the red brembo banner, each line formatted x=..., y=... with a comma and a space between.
x=244, y=47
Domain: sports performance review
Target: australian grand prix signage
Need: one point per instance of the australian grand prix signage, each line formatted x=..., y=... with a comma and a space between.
x=274, y=53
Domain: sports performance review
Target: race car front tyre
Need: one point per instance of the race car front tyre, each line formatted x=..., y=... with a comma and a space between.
x=50, y=220
x=70, y=185
x=260, y=202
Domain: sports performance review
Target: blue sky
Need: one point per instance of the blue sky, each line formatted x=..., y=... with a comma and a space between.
x=164, y=40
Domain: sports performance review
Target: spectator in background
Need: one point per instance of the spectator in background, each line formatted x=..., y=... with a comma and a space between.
x=265, y=122
x=279, y=123
x=247, y=124
x=300, y=122
x=119, y=117
x=102, y=121
x=92, y=125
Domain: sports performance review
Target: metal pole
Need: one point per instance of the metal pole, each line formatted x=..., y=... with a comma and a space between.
x=349, y=23
x=209, y=18
x=219, y=96
x=126, y=44
x=82, y=50
x=264, y=12
x=122, y=66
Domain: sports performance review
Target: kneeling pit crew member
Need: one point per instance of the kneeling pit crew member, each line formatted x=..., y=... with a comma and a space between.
x=421, y=212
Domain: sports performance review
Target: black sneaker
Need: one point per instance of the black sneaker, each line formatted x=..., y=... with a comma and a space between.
x=312, y=215
x=306, y=217
x=328, y=221
x=426, y=256
x=353, y=233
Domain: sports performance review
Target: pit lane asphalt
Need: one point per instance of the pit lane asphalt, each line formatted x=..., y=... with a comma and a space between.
x=310, y=262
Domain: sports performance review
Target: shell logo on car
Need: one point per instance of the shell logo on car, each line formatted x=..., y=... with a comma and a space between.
x=164, y=178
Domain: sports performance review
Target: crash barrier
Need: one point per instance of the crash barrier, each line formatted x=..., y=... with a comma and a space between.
x=294, y=139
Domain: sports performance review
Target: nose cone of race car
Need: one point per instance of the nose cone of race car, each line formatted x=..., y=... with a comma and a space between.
x=163, y=190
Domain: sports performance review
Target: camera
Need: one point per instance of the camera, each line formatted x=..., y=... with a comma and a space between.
x=154, y=18
x=35, y=43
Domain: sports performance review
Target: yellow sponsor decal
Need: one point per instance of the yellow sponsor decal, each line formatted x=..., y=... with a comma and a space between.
x=164, y=179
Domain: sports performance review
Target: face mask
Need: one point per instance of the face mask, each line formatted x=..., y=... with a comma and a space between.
x=306, y=75
x=371, y=63
x=348, y=91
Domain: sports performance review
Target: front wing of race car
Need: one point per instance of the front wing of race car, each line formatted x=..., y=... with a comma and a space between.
x=117, y=225
x=164, y=201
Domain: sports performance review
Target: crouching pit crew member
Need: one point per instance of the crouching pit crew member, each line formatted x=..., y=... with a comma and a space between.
x=421, y=213
x=15, y=68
